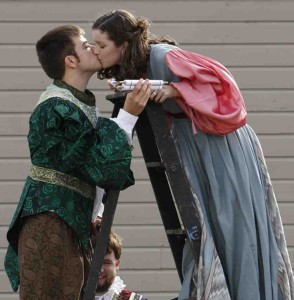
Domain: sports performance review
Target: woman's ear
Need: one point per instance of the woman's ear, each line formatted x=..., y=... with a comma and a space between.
x=124, y=46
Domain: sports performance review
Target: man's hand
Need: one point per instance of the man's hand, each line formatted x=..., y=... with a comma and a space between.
x=94, y=226
x=138, y=98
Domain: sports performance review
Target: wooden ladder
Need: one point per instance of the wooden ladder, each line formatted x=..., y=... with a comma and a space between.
x=171, y=187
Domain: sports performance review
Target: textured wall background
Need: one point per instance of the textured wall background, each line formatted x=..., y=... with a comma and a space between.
x=254, y=39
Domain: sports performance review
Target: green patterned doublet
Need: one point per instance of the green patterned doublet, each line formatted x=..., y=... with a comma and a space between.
x=71, y=152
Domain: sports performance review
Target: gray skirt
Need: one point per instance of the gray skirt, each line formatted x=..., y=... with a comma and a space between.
x=243, y=250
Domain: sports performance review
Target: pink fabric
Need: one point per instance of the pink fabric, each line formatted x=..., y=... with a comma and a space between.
x=210, y=95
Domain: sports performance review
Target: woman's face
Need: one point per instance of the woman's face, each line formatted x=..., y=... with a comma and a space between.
x=106, y=50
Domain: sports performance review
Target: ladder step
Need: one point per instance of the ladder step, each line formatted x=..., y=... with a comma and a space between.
x=155, y=164
x=178, y=231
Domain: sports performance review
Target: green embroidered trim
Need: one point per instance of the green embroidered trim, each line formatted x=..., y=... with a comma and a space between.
x=54, y=91
x=62, y=179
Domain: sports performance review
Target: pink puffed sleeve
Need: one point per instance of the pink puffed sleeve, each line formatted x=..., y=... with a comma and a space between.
x=209, y=94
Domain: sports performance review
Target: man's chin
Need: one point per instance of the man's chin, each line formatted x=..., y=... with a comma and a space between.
x=103, y=287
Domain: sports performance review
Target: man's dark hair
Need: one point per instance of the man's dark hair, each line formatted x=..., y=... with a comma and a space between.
x=54, y=46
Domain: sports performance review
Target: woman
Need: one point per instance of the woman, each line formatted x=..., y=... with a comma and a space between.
x=243, y=251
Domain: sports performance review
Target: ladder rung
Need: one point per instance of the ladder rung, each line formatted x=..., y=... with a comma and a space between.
x=155, y=164
x=178, y=231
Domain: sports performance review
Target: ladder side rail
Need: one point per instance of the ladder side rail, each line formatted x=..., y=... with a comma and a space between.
x=101, y=243
x=161, y=190
x=182, y=192
x=104, y=232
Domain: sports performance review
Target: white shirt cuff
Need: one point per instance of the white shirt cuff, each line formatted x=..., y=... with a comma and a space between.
x=126, y=122
x=98, y=205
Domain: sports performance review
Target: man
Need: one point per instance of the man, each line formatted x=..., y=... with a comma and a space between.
x=73, y=150
x=110, y=286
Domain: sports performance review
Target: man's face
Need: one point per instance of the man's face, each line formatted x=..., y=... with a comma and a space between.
x=108, y=273
x=89, y=62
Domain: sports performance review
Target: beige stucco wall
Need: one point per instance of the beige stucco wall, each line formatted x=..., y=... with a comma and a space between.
x=254, y=39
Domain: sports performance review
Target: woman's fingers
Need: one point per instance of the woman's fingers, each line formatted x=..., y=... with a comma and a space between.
x=164, y=93
x=157, y=96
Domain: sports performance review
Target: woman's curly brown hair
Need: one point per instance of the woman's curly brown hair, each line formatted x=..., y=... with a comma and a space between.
x=121, y=26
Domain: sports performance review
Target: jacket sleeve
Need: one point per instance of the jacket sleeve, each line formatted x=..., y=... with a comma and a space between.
x=209, y=94
x=109, y=157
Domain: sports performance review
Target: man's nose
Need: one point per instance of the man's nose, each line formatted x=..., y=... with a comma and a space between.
x=94, y=49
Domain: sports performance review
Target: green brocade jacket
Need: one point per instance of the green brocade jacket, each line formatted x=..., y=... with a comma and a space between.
x=71, y=151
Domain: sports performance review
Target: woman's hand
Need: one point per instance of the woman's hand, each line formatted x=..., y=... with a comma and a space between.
x=138, y=98
x=110, y=85
x=167, y=91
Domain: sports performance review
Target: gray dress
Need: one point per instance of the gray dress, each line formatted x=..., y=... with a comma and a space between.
x=243, y=252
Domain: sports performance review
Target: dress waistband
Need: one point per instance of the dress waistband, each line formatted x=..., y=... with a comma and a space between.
x=58, y=178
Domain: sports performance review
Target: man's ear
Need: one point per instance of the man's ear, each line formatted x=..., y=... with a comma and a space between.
x=70, y=61
x=117, y=264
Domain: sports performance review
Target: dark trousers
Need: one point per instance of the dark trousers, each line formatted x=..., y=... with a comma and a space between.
x=52, y=263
